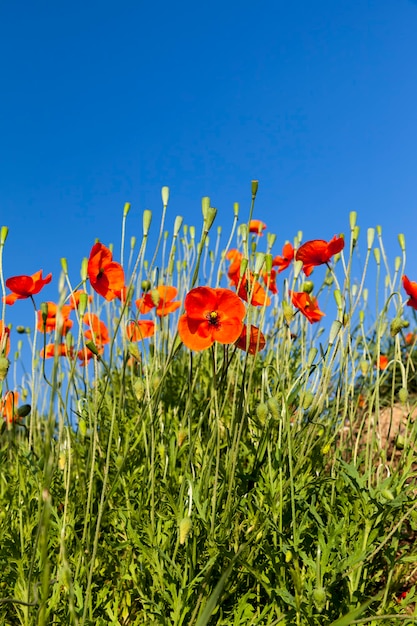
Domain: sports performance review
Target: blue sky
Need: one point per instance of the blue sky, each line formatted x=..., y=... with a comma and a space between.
x=106, y=102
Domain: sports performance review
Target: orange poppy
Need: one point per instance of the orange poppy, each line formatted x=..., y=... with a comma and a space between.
x=411, y=290
x=98, y=333
x=8, y=406
x=282, y=262
x=75, y=298
x=409, y=338
x=211, y=315
x=235, y=257
x=60, y=349
x=251, y=287
x=256, y=343
x=25, y=286
x=256, y=226
x=136, y=331
x=317, y=251
x=383, y=362
x=161, y=299
x=106, y=276
x=56, y=318
x=4, y=339
x=307, y=305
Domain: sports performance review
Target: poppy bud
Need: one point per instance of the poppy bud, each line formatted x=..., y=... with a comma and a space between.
x=93, y=348
x=338, y=298
x=210, y=217
x=288, y=556
x=205, y=205
x=401, y=241
x=319, y=598
x=403, y=395
x=308, y=399
x=132, y=242
x=307, y=286
x=268, y=263
x=399, y=442
x=82, y=426
x=3, y=235
x=24, y=410
x=364, y=367
x=273, y=407
x=139, y=389
x=165, y=195
x=126, y=209
x=64, y=266
x=82, y=303
x=44, y=312
x=397, y=325
x=352, y=219
x=370, y=237
x=4, y=367
x=288, y=312
x=236, y=209
x=181, y=437
x=155, y=295
x=177, y=224
x=21, y=330
x=377, y=255
x=84, y=269
x=147, y=219
x=262, y=412
x=355, y=235
x=255, y=184
x=186, y=525
x=387, y=494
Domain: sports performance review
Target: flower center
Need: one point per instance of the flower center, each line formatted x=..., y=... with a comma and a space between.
x=213, y=318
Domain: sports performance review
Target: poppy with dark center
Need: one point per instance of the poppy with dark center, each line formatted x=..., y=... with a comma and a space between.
x=307, y=305
x=106, y=276
x=317, y=252
x=284, y=260
x=161, y=299
x=252, y=344
x=211, y=314
x=25, y=286
x=256, y=226
x=410, y=288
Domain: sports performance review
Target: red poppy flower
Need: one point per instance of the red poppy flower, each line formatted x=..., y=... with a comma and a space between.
x=256, y=343
x=60, y=349
x=411, y=290
x=254, y=289
x=282, y=262
x=85, y=355
x=317, y=252
x=211, y=315
x=4, y=339
x=256, y=226
x=383, y=362
x=8, y=406
x=235, y=257
x=106, y=276
x=409, y=338
x=25, y=286
x=161, y=298
x=98, y=333
x=136, y=331
x=307, y=305
x=271, y=281
x=56, y=319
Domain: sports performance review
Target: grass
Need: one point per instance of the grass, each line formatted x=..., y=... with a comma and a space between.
x=158, y=485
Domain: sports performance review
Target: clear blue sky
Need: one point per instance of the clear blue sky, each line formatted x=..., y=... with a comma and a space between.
x=106, y=102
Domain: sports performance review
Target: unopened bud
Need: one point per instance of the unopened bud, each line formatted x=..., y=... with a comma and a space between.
x=186, y=525
x=4, y=367
x=307, y=286
x=255, y=184
x=273, y=407
x=165, y=195
x=146, y=221
x=403, y=395
x=262, y=412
